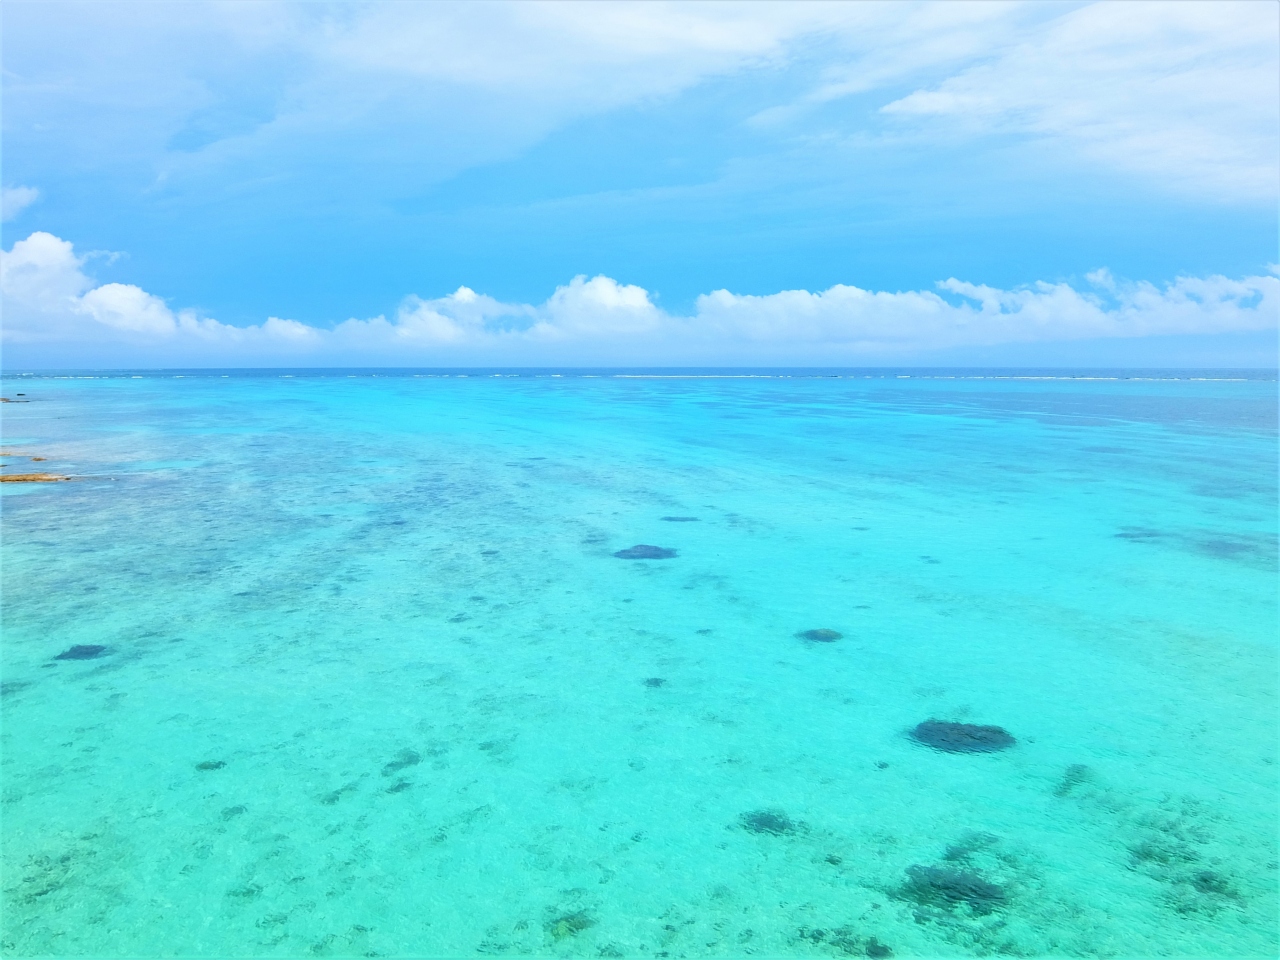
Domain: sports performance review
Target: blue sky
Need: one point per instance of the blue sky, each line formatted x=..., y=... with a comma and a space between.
x=420, y=184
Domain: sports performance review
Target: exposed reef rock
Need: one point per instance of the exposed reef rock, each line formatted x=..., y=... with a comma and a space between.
x=645, y=551
x=32, y=478
x=962, y=737
x=82, y=651
x=821, y=635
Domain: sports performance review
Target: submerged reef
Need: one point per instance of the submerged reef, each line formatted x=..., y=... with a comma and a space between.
x=948, y=887
x=775, y=822
x=405, y=758
x=968, y=845
x=820, y=635
x=570, y=924
x=844, y=940
x=679, y=519
x=645, y=551
x=1075, y=775
x=962, y=737
x=82, y=651
x=1140, y=534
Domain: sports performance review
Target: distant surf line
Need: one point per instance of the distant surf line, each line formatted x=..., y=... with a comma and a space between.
x=643, y=376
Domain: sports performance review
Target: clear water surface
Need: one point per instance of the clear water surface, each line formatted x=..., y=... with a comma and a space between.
x=374, y=683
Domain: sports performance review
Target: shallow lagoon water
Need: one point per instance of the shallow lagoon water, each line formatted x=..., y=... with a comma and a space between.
x=376, y=684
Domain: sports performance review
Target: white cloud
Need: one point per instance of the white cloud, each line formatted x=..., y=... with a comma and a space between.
x=847, y=317
x=130, y=309
x=13, y=200
x=49, y=301
x=1186, y=94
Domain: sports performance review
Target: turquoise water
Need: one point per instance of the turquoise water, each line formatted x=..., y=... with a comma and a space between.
x=374, y=683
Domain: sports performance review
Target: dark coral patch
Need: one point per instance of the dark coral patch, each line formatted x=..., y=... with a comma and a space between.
x=1208, y=882
x=1238, y=549
x=876, y=949
x=655, y=681
x=405, y=758
x=211, y=764
x=82, y=651
x=767, y=821
x=946, y=887
x=645, y=551
x=1075, y=775
x=679, y=519
x=570, y=924
x=329, y=799
x=962, y=737
x=821, y=635
x=1139, y=534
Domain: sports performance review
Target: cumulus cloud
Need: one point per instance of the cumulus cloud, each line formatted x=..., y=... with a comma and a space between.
x=49, y=301
x=13, y=200
x=976, y=315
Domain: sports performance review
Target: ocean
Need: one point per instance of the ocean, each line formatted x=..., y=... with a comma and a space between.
x=913, y=663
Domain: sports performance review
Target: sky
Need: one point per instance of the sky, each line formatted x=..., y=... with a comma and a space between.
x=640, y=184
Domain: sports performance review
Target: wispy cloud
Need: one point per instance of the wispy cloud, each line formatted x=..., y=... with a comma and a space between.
x=13, y=200
x=49, y=301
x=1185, y=94
x=1181, y=93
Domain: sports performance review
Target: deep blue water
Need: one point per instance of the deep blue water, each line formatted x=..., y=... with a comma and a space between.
x=374, y=683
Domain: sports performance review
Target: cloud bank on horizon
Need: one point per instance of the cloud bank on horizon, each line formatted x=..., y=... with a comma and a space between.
x=51, y=301
x=784, y=182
